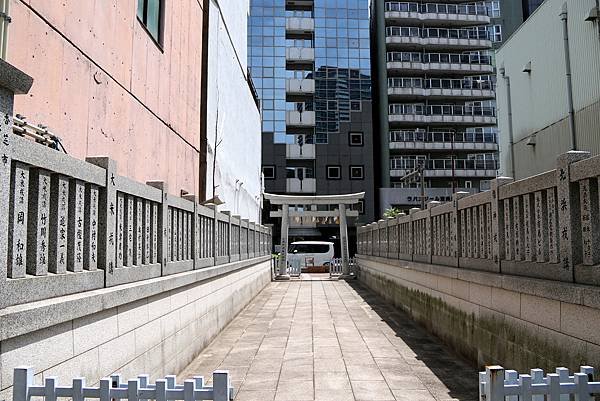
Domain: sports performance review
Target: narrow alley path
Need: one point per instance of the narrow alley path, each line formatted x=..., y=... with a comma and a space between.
x=332, y=341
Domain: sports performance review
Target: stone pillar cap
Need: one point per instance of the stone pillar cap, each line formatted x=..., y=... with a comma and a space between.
x=14, y=79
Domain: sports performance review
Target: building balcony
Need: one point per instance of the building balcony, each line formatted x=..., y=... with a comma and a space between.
x=419, y=114
x=300, y=26
x=299, y=89
x=296, y=119
x=445, y=141
x=441, y=64
x=444, y=168
x=304, y=186
x=436, y=14
x=441, y=88
x=300, y=57
x=413, y=38
x=295, y=151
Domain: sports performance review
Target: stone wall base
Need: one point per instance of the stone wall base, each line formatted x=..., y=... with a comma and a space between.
x=157, y=335
x=487, y=324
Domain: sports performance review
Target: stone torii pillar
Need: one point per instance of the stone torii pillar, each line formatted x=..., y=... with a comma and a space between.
x=285, y=216
x=345, y=252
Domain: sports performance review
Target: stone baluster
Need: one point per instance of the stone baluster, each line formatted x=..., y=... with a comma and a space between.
x=38, y=222
x=108, y=218
x=18, y=218
x=588, y=201
x=121, y=234
x=90, y=243
x=59, y=227
x=568, y=214
x=541, y=226
x=138, y=239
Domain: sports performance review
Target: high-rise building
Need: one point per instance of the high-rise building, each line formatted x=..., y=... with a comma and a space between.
x=435, y=96
x=310, y=61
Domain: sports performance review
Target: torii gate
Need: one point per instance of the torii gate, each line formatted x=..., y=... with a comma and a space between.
x=341, y=200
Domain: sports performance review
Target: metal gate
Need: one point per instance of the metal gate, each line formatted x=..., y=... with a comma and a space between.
x=336, y=268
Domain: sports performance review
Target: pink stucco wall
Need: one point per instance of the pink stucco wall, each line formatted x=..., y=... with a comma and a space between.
x=104, y=87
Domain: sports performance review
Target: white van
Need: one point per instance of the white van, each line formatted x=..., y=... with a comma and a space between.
x=311, y=253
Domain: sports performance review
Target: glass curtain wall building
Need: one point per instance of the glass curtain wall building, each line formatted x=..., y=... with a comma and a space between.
x=310, y=62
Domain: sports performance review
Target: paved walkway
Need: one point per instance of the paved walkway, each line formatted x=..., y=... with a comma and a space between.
x=332, y=341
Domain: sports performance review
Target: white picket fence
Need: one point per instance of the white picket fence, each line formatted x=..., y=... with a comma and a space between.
x=497, y=384
x=111, y=389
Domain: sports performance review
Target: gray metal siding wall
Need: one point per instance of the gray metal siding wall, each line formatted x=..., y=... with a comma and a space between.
x=540, y=98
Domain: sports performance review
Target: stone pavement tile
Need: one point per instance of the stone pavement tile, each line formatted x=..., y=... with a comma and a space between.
x=295, y=391
x=395, y=362
x=403, y=382
x=266, y=365
x=332, y=380
x=260, y=381
x=334, y=395
x=371, y=391
x=328, y=352
x=329, y=365
x=363, y=358
x=364, y=372
x=255, y=395
x=295, y=356
x=413, y=395
x=298, y=372
x=326, y=342
x=270, y=353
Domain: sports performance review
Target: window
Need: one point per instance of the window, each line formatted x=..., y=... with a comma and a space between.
x=357, y=172
x=356, y=139
x=269, y=172
x=493, y=8
x=468, y=184
x=495, y=32
x=149, y=12
x=360, y=206
x=334, y=173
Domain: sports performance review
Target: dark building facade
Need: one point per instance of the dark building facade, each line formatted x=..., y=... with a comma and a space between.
x=434, y=79
x=310, y=61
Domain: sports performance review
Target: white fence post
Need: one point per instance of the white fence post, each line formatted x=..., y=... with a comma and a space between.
x=495, y=383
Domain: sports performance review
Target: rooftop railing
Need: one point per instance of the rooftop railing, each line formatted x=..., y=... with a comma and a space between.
x=444, y=33
x=442, y=83
x=443, y=164
x=443, y=136
x=450, y=58
x=442, y=110
x=438, y=8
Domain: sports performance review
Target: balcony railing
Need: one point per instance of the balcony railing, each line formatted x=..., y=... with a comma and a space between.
x=443, y=110
x=443, y=136
x=480, y=33
x=441, y=83
x=449, y=58
x=438, y=8
x=444, y=164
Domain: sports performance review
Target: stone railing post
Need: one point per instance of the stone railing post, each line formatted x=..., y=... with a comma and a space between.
x=194, y=230
x=107, y=218
x=12, y=82
x=411, y=232
x=498, y=245
x=570, y=247
x=163, y=224
x=429, y=229
x=455, y=227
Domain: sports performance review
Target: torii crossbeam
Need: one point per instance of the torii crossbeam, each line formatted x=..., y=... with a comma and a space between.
x=340, y=200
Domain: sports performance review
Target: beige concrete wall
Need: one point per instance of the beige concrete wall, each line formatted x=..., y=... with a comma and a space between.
x=105, y=87
x=517, y=322
x=158, y=334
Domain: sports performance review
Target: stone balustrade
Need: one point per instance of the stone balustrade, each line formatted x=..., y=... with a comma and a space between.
x=545, y=226
x=70, y=226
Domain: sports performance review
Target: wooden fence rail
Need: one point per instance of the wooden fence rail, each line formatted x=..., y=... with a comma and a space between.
x=138, y=389
x=543, y=226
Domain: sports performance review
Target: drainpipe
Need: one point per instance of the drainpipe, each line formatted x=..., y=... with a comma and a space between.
x=564, y=19
x=511, y=139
